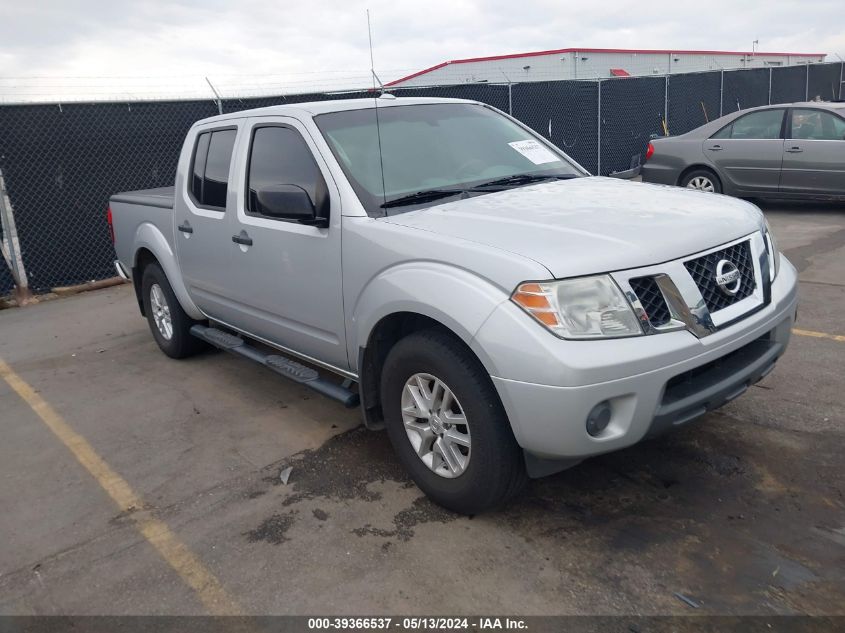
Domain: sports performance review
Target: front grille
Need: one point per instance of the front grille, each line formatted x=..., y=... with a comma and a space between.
x=703, y=272
x=651, y=299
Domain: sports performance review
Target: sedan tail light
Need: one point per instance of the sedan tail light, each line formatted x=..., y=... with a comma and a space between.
x=111, y=224
x=649, y=152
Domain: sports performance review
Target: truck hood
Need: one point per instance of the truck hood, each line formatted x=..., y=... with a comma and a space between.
x=592, y=225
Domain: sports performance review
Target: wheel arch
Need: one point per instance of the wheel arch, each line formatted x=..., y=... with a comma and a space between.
x=388, y=331
x=702, y=167
x=143, y=258
x=151, y=246
x=405, y=298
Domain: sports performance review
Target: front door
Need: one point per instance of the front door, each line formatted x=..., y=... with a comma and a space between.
x=288, y=280
x=201, y=220
x=749, y=150
x=814, y=153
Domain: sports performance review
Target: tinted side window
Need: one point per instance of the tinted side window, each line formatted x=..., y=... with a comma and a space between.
x=198, y=169
x=817, y=125
x=216, y=179
x=757, y=125
x=280, y=156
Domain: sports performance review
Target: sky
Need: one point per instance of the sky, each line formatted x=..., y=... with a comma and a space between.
x=110, y=49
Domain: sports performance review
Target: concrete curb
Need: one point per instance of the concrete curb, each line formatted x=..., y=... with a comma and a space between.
x=18, y=301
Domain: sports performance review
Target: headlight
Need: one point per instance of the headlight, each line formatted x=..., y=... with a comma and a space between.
x=586, y=307
x=772, y=249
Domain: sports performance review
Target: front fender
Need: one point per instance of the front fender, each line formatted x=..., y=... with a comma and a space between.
x=150, y=237
x=454, y=297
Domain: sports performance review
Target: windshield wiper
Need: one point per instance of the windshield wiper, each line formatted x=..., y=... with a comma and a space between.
x=421, y=196
x=428, y=195
x=520, y=179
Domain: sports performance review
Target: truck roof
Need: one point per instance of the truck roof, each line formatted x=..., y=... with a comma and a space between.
x=313, y=108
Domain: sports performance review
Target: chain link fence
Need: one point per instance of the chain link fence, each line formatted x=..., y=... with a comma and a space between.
x=61, y=162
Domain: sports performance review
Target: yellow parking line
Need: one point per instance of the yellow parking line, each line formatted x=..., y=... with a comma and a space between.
x=832, y=337
x=158, y=534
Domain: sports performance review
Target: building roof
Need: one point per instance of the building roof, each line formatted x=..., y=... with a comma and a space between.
x=632, y=51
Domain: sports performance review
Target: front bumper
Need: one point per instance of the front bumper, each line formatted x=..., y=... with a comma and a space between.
x=548, y=386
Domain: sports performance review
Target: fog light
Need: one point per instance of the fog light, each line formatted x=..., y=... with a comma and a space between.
x=599, y=418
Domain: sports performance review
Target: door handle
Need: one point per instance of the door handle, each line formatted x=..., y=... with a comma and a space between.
x=185, y=227
x=794, y=150
x=242, y=238
x=715, y=148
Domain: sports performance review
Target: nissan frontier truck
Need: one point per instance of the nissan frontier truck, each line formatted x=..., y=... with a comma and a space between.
x=499, y=311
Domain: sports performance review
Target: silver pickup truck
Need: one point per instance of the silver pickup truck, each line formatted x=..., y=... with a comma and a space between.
x=499, y=311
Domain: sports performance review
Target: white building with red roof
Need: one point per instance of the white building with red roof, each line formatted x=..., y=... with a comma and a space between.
x=594, y=63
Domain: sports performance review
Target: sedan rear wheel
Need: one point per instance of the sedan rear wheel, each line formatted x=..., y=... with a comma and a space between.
x=702, y=180
x=702, y=183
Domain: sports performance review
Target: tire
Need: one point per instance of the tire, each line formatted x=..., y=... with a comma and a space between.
x=702, y=180
x=160, y=300
x=493, y=464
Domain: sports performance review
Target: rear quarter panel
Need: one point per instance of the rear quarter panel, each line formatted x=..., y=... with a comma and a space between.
x=671, y=157
x=138, y=227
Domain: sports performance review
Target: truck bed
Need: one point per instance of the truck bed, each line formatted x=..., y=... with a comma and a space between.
x=140, y=215
x=162, y=197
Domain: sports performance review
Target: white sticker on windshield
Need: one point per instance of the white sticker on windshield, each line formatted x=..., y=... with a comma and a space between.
x=534, y=151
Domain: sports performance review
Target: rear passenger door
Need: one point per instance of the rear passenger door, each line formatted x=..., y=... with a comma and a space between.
x=202, y=232
x=814, y=154
x=288, y=281
x=749, y=151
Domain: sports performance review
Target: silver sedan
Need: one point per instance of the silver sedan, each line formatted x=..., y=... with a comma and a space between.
x=784, y=151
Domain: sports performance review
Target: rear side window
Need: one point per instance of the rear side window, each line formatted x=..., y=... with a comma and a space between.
x=756, y=125
x=198, y=171
x=210, y=170
x=280, y=156
x=817, y=125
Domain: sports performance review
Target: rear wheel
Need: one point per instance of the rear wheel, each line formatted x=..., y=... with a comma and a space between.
x=447, y=425
x=168, y=322
x=702, y=180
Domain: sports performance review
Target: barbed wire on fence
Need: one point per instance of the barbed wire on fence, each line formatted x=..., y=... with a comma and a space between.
x=62, y=161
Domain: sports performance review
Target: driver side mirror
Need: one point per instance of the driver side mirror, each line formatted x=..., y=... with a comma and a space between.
x=287, y=202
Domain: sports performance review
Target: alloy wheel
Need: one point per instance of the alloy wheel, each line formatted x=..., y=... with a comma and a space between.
x=702, y=183
x=161, y=312
x=436, y=425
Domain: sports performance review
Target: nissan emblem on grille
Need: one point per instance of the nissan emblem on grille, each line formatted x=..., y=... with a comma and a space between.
x=727, y=277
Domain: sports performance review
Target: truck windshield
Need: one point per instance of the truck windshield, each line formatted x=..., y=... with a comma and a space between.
x=434, y=152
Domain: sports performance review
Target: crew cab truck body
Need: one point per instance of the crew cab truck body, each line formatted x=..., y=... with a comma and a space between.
x=499, y=311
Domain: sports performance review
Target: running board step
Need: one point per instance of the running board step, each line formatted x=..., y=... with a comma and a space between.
x=219, y=338
x=291, y=369
x=280, y=364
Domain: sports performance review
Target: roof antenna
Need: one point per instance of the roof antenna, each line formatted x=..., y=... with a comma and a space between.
x=372, y=64
x=375, y=102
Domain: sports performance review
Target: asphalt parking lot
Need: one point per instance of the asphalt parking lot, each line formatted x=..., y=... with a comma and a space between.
x=134, y=484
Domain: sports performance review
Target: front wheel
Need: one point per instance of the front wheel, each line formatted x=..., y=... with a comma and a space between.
x=447, y=425
x=168, y=322
x=702, y=180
